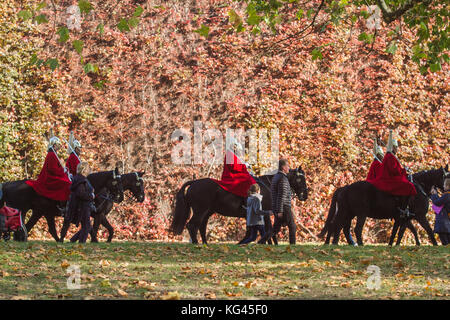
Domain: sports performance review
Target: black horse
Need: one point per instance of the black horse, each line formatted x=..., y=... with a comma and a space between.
x=104, y=202
x=328, y=228
x=19, y=195
x=206, y=197
x=362, y=199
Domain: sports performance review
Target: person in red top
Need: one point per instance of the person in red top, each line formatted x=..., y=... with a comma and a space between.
x=53, y=182
x=375, y=167
x=393, y=178
x=235, y=176
x=74, y=151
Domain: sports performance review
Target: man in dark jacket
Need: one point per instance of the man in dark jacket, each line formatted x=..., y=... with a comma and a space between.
x=80, y=205
x=281, y=202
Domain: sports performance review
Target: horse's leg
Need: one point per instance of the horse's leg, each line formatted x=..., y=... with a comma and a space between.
x=411, y=227
x=194, y=223
x=360, y=220
x=51, y=226
x=94, y=230
x=35, y=216
x=348, y=235
x=401, y=233
x=424, y=223
x=202, y=228
x=394, y=232
x=108, y=227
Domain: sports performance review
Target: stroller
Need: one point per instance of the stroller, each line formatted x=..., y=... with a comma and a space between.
x=11, y=221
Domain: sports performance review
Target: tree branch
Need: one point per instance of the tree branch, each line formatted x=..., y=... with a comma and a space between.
x=389, y=15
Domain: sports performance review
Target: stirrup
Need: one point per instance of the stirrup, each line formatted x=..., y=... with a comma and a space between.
x=406, y=214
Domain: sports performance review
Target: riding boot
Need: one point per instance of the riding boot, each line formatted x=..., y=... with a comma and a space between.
x=62, y=207
x=404, y=203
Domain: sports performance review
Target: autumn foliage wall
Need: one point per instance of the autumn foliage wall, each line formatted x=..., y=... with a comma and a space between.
x=162, y=76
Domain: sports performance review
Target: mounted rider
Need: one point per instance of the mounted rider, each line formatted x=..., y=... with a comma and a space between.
x=74, y=150
x=375, y=167
x=235, y=176
x=393, y=178
x=52, y=182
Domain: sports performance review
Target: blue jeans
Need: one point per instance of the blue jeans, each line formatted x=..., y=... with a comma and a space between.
x=254, y=233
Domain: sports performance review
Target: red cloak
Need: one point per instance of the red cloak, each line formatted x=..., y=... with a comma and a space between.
x=375, y=169
x=52, y=182
x=393, y=178
x=72, y=164
x=235, y=177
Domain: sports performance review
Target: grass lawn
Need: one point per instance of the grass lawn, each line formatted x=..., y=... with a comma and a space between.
x=155, y=270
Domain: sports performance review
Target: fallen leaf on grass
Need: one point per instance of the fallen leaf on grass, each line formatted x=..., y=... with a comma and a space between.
x=104, y=263
x=210, y=295
x=65, y=264
x=122, y=293
x=171, y=296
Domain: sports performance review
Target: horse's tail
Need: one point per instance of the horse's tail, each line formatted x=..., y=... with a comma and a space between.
x=331, y=214
x=181, y=212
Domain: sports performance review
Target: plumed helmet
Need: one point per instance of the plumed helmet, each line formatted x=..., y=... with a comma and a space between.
x=233, y=144
x=379, y=151
x=53, y=141
x=391, y=142
x=73, y=143
x=76, y=144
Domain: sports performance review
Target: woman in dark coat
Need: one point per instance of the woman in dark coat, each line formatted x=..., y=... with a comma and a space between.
x=81, y=203
x=442, y=222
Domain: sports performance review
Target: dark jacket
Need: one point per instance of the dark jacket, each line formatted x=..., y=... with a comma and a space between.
x=81, y=199
x=281, y=192
x=442, y=222
x=255, y=216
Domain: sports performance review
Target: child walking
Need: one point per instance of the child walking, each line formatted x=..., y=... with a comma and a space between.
x=255, y=214
x=442, y=210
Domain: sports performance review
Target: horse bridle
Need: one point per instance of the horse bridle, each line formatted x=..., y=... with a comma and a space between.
x=139, y=182
x=116, y=179
x=297, y=175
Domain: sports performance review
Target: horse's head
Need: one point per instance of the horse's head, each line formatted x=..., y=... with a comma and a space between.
x=297, y=180
x=114, y=185
x=135, y=183
x=432, y=178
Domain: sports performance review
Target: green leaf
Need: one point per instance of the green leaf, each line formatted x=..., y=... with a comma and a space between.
x=123, y=25
x=316, y=54
x=299, y=14
x=85, y=6
x=88, y=67
x=133, y=22
x=435, y=67
x=423, y=69
x=253, y=19
x=363, y=37
x=42, y=18
x=41, y=5
x=101, y=28
x=39, y=62
x=52, y=63
x=392, y=47
x=25, y=15
x=203, y=31
x=63, y=33
x=78, y=46
x=138, y=11
x=100, y=84
x=33, y=59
